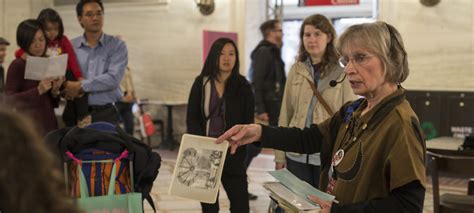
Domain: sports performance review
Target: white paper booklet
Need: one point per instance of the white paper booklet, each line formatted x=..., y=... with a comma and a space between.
x=39, y=68
x=198, y=169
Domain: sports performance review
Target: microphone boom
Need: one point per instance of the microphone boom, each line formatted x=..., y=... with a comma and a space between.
x=333, y=83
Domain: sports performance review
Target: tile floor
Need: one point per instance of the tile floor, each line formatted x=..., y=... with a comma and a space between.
x=257, y=175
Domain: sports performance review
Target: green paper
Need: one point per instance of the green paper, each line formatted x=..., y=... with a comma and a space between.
x=298, y=186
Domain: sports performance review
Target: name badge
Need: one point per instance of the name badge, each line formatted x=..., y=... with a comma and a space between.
x=337, y=158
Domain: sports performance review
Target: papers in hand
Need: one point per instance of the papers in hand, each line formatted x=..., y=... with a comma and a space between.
x=198, y=170
x=39, y=68
x=288, y=200
x=292, y=192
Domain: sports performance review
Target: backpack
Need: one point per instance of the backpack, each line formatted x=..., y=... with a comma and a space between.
x=145, y=162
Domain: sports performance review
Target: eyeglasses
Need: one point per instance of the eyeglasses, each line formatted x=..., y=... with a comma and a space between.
x=92, y=15
x=359, y=59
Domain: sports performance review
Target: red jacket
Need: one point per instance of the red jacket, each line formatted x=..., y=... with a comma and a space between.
x=65, y=46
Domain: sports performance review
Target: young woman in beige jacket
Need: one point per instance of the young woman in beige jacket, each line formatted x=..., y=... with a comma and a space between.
x=317, y=64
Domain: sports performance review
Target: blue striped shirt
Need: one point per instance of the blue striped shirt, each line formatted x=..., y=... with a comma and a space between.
x=102, y=67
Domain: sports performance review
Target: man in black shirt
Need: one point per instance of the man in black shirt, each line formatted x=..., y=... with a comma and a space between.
x=267, y=74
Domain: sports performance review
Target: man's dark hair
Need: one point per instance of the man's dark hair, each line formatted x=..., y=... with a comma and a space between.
x=25, y=34
x=4, y=41
x=81, y=3
x=268, y=26
x=50, y=15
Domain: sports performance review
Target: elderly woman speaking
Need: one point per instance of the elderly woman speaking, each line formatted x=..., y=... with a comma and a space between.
x=372, y=149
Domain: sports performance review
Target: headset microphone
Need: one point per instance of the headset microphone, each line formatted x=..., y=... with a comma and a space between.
x=333, y=83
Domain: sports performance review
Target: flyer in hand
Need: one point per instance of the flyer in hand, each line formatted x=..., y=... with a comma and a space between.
x=198, y=170
x=39, y=68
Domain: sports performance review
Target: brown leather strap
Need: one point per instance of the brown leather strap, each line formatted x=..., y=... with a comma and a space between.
x=320, y=98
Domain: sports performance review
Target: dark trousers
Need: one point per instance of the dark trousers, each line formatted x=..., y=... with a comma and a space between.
x=234, y=181
x=106, y=113
x=306, y=172
x=76, y=109
x=273, y=110
x=252, y=152
x=125, y=111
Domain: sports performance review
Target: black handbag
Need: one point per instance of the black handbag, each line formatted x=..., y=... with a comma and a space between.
x=468, y=143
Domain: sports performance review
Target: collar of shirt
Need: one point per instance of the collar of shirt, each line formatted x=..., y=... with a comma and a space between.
x=83, y=42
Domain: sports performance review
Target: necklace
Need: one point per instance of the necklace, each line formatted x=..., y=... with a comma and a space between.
x=346, y=144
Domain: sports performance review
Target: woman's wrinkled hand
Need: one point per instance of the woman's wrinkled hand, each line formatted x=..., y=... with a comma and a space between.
x=241, y=135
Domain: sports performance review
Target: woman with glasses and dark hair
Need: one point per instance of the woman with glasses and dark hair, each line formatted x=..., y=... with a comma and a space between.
x=37, y=99
x=221, y=98
x=372, y=149
x=316, y=66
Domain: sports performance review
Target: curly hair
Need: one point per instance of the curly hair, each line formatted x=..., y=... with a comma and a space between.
x=29, y=178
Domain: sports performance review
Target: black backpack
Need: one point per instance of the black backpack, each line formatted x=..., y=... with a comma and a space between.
x=146, y=163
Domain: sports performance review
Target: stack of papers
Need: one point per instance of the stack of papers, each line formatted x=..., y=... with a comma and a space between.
x=291, y=193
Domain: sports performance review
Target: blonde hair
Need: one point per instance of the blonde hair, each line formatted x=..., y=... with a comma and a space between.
x=383, y=40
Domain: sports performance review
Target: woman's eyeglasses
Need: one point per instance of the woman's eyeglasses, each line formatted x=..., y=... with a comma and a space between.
x=359, y=59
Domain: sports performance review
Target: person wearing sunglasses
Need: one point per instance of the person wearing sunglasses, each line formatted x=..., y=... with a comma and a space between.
x=372, y=149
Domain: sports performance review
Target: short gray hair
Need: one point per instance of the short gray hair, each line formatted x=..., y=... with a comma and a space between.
x=383, y=40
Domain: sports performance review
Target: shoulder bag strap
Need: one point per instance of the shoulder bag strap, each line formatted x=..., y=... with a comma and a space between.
x=320, y=98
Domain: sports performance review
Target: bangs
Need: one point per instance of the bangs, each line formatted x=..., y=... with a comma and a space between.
x=349, y=40
x=363, y=35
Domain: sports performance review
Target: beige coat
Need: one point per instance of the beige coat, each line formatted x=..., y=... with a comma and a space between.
x=298, y=95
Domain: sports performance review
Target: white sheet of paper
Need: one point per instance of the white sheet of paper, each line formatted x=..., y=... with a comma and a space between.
x=39, y=68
